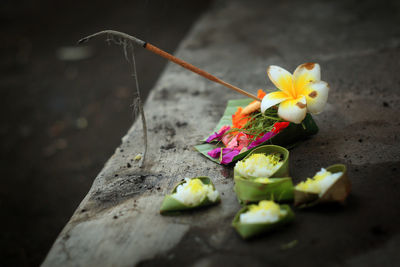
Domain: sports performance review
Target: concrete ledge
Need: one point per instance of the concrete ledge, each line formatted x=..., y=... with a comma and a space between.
x=118, y=222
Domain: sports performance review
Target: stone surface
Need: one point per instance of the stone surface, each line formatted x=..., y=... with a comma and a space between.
x=358, y=48
x=61, y=120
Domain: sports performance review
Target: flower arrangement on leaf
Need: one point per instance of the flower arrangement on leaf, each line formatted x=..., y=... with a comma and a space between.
x=262, y=217
x=264, y=175
x=281, y=118
x=189, y=194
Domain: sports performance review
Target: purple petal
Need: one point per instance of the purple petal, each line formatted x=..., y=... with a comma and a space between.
x=228, y=157
x=227, y=154
x=261, y=140
x=215, y=152
x=218, y=135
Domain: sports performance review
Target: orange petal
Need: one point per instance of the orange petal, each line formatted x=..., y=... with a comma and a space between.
x=239, y=119
x=261, y=94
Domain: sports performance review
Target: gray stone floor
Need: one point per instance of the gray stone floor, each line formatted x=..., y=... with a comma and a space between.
x=358, y=47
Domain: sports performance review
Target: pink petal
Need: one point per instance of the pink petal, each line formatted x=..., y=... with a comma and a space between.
x=243, y=140
x=226, y=139
x=233, y=143
x=218, y=135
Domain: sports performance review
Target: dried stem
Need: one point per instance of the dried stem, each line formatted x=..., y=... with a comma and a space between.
x=127, y=41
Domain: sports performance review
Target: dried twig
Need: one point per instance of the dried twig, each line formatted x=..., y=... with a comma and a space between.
x=127, y=42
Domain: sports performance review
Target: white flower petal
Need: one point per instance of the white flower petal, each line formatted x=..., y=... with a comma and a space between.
x=281, y=78
x=317, y=96
x=272, y=99
x=293, y=110
x=311, y=69
x=306, y=73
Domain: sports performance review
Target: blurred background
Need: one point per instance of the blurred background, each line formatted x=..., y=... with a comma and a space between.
x=65, y=108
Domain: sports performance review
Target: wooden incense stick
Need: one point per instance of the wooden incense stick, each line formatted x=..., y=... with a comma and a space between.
x=170, y=57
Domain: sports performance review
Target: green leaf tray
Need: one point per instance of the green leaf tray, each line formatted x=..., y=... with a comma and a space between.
x=337, y=192
x=172, y=206
x=248, y=230
x=279, y=189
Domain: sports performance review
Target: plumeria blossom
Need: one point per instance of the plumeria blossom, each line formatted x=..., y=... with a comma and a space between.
x=298, y=94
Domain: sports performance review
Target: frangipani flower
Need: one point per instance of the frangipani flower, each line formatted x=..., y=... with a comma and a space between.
x=301, y=92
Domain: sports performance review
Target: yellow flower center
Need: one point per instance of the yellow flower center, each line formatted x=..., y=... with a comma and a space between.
x=259, y=165
x=195, y=185
x=321, y=181
x=295, y=87
x=265, y=205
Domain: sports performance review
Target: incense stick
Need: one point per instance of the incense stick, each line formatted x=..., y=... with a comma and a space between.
x=170, y=57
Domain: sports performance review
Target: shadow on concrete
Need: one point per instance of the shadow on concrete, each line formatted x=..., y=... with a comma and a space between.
x=63, y=110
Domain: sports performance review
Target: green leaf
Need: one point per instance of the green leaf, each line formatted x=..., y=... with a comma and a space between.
x=247, y=230
x=288, y=137
x=172, y=206
x=248, y=191
x=231, y=108
x=204, y=148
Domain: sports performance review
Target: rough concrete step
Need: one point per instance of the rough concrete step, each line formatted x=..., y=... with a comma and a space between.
x=118, y=222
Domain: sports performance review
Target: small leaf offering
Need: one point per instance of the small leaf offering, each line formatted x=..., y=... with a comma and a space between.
x=264, y=175
x=327, y=186
x=262, y=217
x=190, y=194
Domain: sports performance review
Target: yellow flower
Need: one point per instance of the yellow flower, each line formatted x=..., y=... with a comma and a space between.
x=320, y=183
x=265, y=211
x=265, y=205
x=193, y=191
x=259, y=165
x=301, y=92
x=195, y=185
